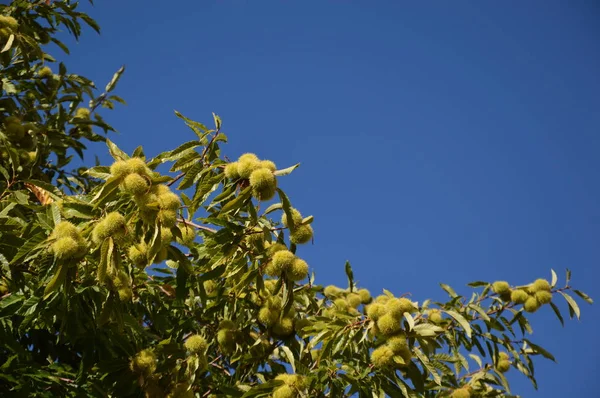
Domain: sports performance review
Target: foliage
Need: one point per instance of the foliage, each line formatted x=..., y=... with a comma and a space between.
x=116, y=283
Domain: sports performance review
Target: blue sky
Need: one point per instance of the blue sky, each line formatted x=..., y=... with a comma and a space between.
x=439, y=141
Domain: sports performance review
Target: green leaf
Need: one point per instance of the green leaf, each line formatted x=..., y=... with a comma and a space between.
x=198, y=128
x=307, y=220
x=9, y=43
x=101, y=172
x=480, y=311
x=105, y=258
x=584, y=296
x=111, y=85
x=573, y=307
x=461, y=320
x=286, y=171
x=449, y=290
x=182, y=277
x=262, y=389
x=57, y=280
x=115, y=152
x=272, y=208
x=540, y=350
x=289, y=356
x=7, y=209
x=217, y=120
x=554, y=278
x=425, y=361
x=56, y=217
x=5, y=173
x=427, y=330
x=191, y=176
x=478, y=284
x=238, y=201
x=286, y=204
x=288, y=296
x=476, y=359
x=29, y=246
x=410, y=320
x=182, y=259
x=105, y=192
x=557, y=312
x=349, y=273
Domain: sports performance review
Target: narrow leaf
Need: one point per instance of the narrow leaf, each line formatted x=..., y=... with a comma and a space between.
x=272, y=208
x=557, y=312
x=410, y=320
x=584, y=296
x=461, y=320
x=9, y=43
x=290, y=357
x=111, y=85
x=286, y=171
x=449, y=290
x=349, y=274
x=57, y=280
x=238, y=201
x=540, y=350
x=115, y=152
x=572, y=304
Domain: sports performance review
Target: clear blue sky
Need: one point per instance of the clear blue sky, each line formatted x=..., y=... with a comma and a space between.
x=446, y=141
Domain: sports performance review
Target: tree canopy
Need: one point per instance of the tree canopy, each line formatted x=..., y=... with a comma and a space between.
x=120, y=280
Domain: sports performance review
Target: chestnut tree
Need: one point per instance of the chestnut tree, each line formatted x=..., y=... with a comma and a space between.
x=118, y=280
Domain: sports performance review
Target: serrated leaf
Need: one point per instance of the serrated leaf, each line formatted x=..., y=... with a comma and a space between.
x=427, y=330
x=178, y=152
x=198, y=128
x=461, y=320
x=191, y=176
x=238, y=201
x=104, y=193
x=480, y=311
x=28, y=247
x=57, y=280
x=425, y=361
x=115, y=152
x=100, y=172
x=56, y=217
x=7, y=209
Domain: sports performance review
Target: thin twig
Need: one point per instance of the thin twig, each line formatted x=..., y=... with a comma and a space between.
x=202, y=227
